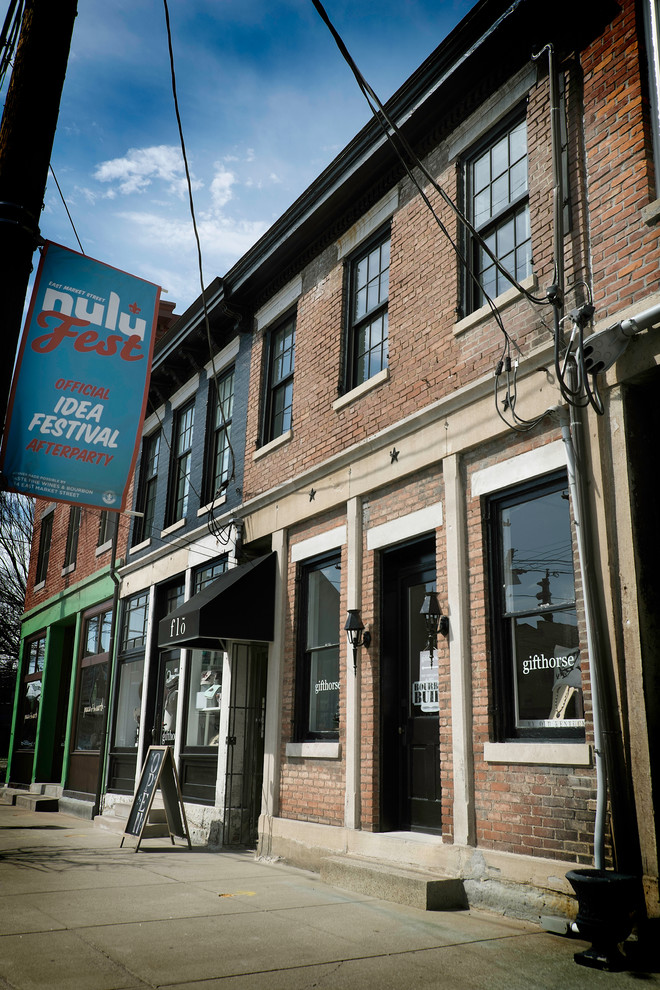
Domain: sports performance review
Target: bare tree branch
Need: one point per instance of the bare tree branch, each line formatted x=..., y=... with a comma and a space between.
x=16, y=516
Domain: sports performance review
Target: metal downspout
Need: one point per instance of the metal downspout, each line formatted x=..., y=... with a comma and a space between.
x=574, y=462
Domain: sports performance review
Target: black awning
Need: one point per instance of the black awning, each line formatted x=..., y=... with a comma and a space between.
x=240, y=604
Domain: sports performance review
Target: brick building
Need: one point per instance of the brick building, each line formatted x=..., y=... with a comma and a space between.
x=412, y=429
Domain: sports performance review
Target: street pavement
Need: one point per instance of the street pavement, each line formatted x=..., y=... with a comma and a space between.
x=77, y=912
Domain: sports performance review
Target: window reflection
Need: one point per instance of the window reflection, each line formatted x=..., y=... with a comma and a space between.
x=203, y=726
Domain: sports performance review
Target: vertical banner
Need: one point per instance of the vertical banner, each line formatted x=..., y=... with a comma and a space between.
x=80, y=388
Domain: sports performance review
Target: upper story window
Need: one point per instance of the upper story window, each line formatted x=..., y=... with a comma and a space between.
x=182, y=438
x=536, y=676
x=146, y=499
x=279, y=393
x=73, y=529
x=134, y=622
x=498, y=206
x=45, y=536
x=218, y=435
x=204, y=575
x=107, y=527
x=318, y=638
x=367, y=316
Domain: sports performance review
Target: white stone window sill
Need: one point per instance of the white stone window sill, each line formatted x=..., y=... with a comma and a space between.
x=68, y=569
x=38, y=587
x=103, y=548
x=215, y=504
x=363, y=389
x=500, y=302
x=179, y=524
x=273, y=445
x=314, y=750
x=548, y=753
x=140, y=546
x=651, y=213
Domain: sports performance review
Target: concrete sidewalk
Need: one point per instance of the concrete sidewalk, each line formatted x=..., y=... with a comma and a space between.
x=79, y=913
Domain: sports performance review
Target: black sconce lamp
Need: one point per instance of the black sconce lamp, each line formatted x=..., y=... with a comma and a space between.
x=357, y=634
x=436, y=622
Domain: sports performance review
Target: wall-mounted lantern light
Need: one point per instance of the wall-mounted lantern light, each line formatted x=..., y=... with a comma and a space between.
x=357, y=634
x=436, y=622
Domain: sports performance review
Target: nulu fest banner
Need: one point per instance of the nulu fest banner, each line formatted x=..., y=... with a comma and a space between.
x=80, y=388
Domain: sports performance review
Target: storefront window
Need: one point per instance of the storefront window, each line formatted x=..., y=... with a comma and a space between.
x=35, y=655
x=319, y=698
x=91, y=706
x=169, y=701
x=97, y=633
x=536, y=667
x=127, y=729
x=30, y=719
x=205, y=695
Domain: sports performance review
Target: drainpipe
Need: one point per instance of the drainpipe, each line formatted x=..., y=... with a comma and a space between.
x=570, y=429
x=101, y=778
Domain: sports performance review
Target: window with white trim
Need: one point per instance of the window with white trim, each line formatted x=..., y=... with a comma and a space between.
x=498, y=208
x=368, y=295
x=535, y=649
x=318, y=649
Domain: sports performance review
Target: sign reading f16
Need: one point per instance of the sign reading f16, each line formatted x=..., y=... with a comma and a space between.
x=80, y=388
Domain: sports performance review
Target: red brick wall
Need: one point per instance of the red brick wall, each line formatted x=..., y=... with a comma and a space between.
x=87, y=562
x=625, y=251
x=538, y=810
x=427, y=360
x=311, y=790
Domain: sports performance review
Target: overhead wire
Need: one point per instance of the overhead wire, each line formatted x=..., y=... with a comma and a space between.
x=410, y=160
x=384, y=119
x=64, y=202
x=11, y=30
x=207, y=323
x=584, y=393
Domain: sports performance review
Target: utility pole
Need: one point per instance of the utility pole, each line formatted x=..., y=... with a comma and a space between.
x=26, y=142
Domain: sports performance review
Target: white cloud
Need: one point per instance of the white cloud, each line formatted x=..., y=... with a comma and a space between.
x=221, y=186
x=139, y=167
x=223, y=240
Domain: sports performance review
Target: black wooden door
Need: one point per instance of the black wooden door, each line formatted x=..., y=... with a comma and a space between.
x=410, y=743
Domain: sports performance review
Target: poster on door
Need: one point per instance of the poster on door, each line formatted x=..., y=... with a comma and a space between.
x=425, y=690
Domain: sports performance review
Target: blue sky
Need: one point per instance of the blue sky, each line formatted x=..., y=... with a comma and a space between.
x=266, y=103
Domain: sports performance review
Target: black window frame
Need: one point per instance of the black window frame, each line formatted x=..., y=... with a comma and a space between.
x=517, y=206
x=130, y=605
x=218, y=435
x=45, y=539
x=358, y=324
x=180, y=487
x=72, y=533
x=303, y=730
x=278, y=417
x=107, y=527
x=147, y=487
x=502, y=622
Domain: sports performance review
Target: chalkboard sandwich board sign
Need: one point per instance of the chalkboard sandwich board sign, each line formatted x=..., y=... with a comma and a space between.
x=159, y=771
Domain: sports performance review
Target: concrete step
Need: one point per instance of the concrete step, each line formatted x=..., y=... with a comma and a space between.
x=401, y=884
x=76, y=806
x=8, y=794
x=36, y=802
